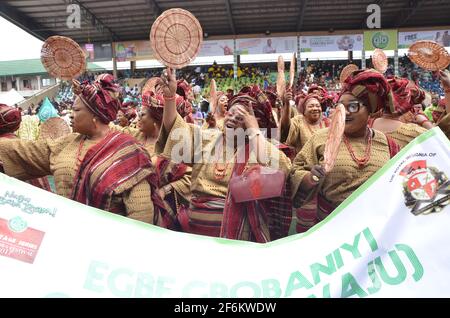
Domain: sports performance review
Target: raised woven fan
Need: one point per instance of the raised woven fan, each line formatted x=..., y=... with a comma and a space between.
x=63, y=57
x=176, y=37
x=281, y=80
x=213, y=96
x=346, y=71
x=380, y=61
x=334, y=139
x=54, y=128
x=292, y=71
x=429, y=55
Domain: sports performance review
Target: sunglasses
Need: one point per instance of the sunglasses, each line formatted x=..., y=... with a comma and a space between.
x=352, y=107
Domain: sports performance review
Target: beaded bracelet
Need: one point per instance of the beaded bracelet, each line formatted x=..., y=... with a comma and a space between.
x=423, y=122
x=166, y=98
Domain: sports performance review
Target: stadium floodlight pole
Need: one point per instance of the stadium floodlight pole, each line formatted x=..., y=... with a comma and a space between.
x=396, y=62
x=299, y=57
x=235, y=66
x=363, y=58
x=230, y=16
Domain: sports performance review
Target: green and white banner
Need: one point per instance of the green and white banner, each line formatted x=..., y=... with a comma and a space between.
x=380, y=39
x=389, y=239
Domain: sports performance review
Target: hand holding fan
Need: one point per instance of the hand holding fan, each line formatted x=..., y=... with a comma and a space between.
x=176, y=37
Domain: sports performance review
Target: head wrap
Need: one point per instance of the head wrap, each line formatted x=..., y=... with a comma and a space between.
x=326, y=98
x=371, y=88
x=129, y=113
x=252, y=96
x=101, y=97
x=155, y=105
x=47, y=111
x=272, y=98
x=183, y=88
x=406, y=94
x=10, y=119
x=306, y=99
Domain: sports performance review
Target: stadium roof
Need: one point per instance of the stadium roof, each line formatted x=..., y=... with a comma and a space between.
x=106, y=20
x=32, y=67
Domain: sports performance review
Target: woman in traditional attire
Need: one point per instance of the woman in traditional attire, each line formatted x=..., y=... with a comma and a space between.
x=10, y=121
x=185, y=90
x=218, y=110
x=406, y=94
x=363, y=150
x=392, y=123
x=212, y=210
x=126, y=115
x=295, y=132
x=95, y=165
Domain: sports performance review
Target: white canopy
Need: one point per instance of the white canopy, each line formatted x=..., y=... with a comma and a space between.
x=10, y=98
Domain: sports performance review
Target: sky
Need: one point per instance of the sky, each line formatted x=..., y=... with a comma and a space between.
x=17, y=44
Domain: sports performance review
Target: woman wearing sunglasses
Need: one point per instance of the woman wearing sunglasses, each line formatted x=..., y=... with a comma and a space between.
x=363, y=150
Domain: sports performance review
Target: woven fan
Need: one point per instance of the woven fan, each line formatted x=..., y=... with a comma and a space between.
x=335, y=133
x=213, y=95
x=152, y=85
x=176, y=37
x=54, y=128
x=380, y=61
x=292, y=71
x=346, y=71
x=63, y=57
x=281, y=80
x=429, y=55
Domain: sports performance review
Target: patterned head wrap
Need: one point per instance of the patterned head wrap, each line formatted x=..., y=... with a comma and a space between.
x=183, y=88
x=101, y=97
x=10, y=119
x=371, y=88
x=252, y=96
x=154, y=103
x=406, y=94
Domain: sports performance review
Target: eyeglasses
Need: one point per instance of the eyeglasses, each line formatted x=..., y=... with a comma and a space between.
x=352, y=107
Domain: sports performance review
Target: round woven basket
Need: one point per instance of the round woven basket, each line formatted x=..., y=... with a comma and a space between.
x=63, y=57
x=429, y=55
x=176, y=37
x=346, y=71
x=54, y=128
x=380, y=61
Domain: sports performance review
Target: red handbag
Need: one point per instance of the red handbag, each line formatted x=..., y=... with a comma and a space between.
x=257, y=183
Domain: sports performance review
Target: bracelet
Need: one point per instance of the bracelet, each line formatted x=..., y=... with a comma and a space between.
x=166, y=98
x=423, y=122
